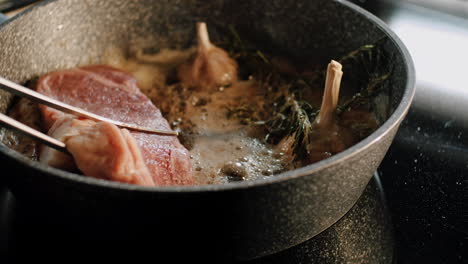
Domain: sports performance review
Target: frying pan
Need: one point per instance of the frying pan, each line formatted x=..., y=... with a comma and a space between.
x=242, y=220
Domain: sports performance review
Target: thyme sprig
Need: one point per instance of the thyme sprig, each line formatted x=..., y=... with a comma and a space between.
x=293, y=117
x=375, y=66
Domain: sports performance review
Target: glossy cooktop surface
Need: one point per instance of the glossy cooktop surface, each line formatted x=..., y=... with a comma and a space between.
x=425, y=173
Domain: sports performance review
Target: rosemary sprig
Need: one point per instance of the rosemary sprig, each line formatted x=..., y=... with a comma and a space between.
x=291, y=117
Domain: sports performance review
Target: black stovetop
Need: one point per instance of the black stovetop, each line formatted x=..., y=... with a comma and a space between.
x=424, y=175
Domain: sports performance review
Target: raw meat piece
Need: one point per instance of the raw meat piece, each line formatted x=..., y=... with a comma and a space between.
x=114, y=94
x=62, y=129
x=100, y=150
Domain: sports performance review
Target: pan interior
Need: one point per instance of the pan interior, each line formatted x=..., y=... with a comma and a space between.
x=75, y=33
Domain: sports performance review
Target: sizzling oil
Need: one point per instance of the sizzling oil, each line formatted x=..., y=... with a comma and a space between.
x=222, y=149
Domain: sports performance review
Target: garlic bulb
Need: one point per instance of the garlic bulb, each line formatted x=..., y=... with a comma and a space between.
x=327, y=136
x=211, y=68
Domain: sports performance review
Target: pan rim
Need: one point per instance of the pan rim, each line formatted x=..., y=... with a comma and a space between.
x=394, y=120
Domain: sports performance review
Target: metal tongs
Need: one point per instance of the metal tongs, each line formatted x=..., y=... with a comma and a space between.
x=42, y=99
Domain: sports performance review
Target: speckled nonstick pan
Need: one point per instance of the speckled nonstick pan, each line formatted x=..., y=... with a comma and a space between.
x=241, y=220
